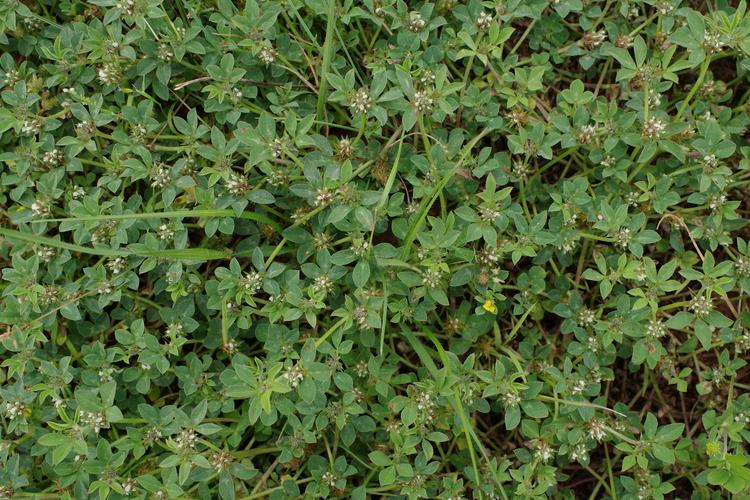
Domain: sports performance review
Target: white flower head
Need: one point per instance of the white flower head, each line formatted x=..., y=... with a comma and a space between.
x=484, y=20
x=654, y=128
x=415, y=22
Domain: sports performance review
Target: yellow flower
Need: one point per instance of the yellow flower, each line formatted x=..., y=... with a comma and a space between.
x=713, y=448
x=489, y=306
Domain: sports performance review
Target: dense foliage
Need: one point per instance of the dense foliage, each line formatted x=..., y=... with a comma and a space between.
x=324, y=248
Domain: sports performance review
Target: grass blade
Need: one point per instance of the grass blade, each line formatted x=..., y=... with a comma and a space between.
x=176, y=214
x=327, y=55
x=190, y=254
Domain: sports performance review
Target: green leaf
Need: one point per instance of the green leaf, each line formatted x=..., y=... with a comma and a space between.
x=670, y=432
x=379, y=458
x=307, y=390
x=512, y=417
x=663, y=453
x=387, y=476
x=361, y=274
x=535, y=409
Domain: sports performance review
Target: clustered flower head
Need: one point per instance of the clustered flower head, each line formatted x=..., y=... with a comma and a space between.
x=321, y=240
x=229, y=347
x=32, y=23
x=594, y=39
x=159, y=175
x=592, y=344
x=425, y=406
x=544, y=451
x=53, y=158
x=78, y=192
x=127, y=7
x=632, y=198
x=117, y=265
x=623, y=236
x=50, y=296
x=488, y=214
x=31, y=126
x=175, y=329
x=294, y=375
x=510, y=397
x=235, y=95
x=323, y=197
x=14, y=409
x=586, y=317
x=664, y=7
x=278, y=177
x=423, y=101
x=742, y=266
x=40, y=208
x=94, y=419
x=104, y=288
x=359, y=314
x=278, y=147
x=453, y=326
x=361, y=369
x=45, y=253
x=716, y=202
x=237, y=184
x=432, y=277
x=624, y=41
x=322, y=283
x=570, y=241
x=427, y=78
x=701, y=306
x=578, y=386
x=329, y=479
x=165, y=232
x=484, y=20
x=519, y=116
x=597, y=429
x=109, y=74
x=579, y=453
x=713, y=42
x=152, y=435
x=186, y=440
x=106, y=374
x=129, y=486
x=415, y=22
x=165, y=54
x=220, y=461
x=656, y=329
x=112, y=47
x=12, y=76
x=654, y=128
x=138, y=132
x=252, y=281
x=710, y=161
x=654, y=99
x=360, y=246
x=344, y=149
x=267, y=55
x=587, y=134
x=359, y=394
x=103, y=231
x=85, y=130
x=361, y=102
